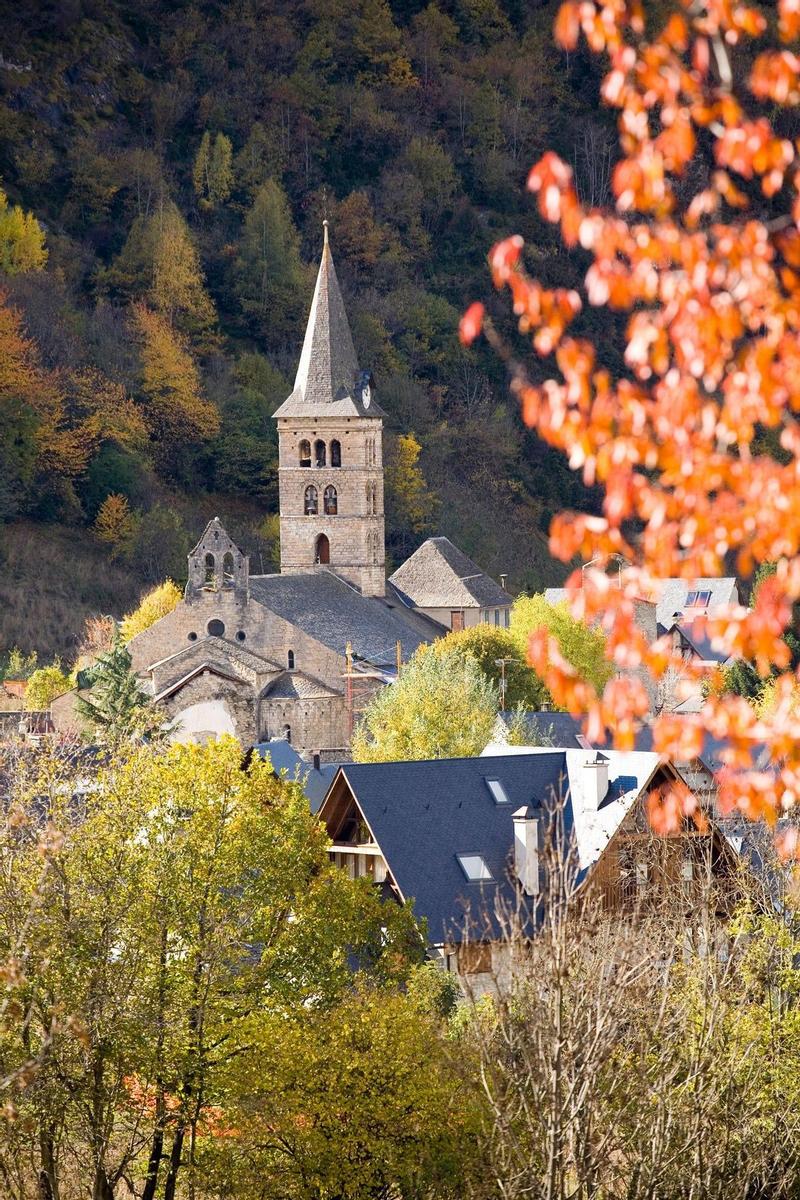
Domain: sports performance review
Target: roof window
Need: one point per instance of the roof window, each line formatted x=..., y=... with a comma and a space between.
x=698, y=599
x=474, y=867
x=499, y=794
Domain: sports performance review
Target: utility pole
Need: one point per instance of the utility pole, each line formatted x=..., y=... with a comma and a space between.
x=399, y=652
x=501, y=663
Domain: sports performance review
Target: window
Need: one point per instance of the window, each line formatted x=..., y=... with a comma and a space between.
x=322, y=550
x=304, y=451
x=498, y=791
x=370, y=493
x=310, y=501
x=290, y=660
x=698, y=599
x=336, y=453
x=241, y=635
x=457, y=620
x=330, y=500
x=507, y=617
x=287, y=733
x=227, y=570
x=497, y=616
x=474, y=867
x=211, y=570
x=216, y=628
x=192, y=636
x=319, y=453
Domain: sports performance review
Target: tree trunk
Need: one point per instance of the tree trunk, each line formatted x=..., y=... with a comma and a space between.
x=48, y=1179
x=153, y=1163
x=174, y=1163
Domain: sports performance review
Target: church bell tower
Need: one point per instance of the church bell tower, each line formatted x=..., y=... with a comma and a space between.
x=330, y=464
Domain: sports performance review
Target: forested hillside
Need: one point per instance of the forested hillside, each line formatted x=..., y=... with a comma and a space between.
x=167, y=168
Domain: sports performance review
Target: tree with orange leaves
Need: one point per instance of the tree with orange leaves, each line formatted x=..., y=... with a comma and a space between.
x=710, y=281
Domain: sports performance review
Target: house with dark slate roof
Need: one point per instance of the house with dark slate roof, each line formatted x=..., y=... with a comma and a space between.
x=463, y=840
x=297, y=654
x=441, y=582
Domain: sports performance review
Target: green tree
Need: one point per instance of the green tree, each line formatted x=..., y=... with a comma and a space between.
x=360, y=1101
x=269, y=276
x=516, y=683
x=22, y=245
x=186, y=901
x=44, y=685
x=116, y=706
x=583, y=647
x=161, y=545
x=441, y=706
x=213, y=170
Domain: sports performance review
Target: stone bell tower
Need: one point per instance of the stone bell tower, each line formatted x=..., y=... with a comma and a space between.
x=330, y=467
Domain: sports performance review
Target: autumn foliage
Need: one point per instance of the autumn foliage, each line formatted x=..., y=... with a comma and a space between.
x=696, y=440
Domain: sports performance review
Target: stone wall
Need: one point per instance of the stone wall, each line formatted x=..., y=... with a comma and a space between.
x=355, y=533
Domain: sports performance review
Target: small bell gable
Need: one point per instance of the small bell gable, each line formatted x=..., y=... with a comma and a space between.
x=217, y=565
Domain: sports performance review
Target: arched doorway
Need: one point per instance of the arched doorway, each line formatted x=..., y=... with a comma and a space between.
x=322, y=550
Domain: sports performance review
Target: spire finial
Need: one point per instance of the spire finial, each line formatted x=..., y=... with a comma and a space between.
x=325, y=232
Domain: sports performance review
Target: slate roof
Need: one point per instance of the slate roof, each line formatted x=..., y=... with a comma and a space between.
x=424, y=814
x=330, y=610
x=439, y=575
x=286, y=761
x=701, y=643
x=327, y=373
x=672, y=595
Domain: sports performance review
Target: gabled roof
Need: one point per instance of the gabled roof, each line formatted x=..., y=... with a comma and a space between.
x=424, y=814
x=439, y=575
x=672, y=596
x=334, y=613
x=218, y=649
x=327, y=373
x=286, y=761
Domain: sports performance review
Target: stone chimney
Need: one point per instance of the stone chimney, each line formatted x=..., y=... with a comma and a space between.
x=526, y=850
x=596, y=770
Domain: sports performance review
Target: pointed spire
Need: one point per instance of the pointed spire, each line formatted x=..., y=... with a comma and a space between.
x=328, y=366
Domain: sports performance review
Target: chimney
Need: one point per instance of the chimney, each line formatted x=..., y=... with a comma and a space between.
x=316, y=760
x=526, y=850
x=503, y=580
x=597, y=779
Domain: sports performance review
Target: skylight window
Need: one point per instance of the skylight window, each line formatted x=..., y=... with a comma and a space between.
x=474, y=867
x=698, y=599
x=498, y=791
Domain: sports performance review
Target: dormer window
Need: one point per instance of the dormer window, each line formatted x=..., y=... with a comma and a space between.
x=474, y=866
x=698, y=599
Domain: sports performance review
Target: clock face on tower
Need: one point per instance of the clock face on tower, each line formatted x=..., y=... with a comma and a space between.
x=366, y=395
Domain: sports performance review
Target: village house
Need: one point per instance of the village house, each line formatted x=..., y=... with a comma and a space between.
x=439, y=581
x=463, y=840
x=677, y=611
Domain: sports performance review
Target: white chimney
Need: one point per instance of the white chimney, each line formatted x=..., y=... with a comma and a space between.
x=526, y=851
x=597, y=779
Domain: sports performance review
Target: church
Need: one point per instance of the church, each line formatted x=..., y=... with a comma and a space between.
x=298, y=654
